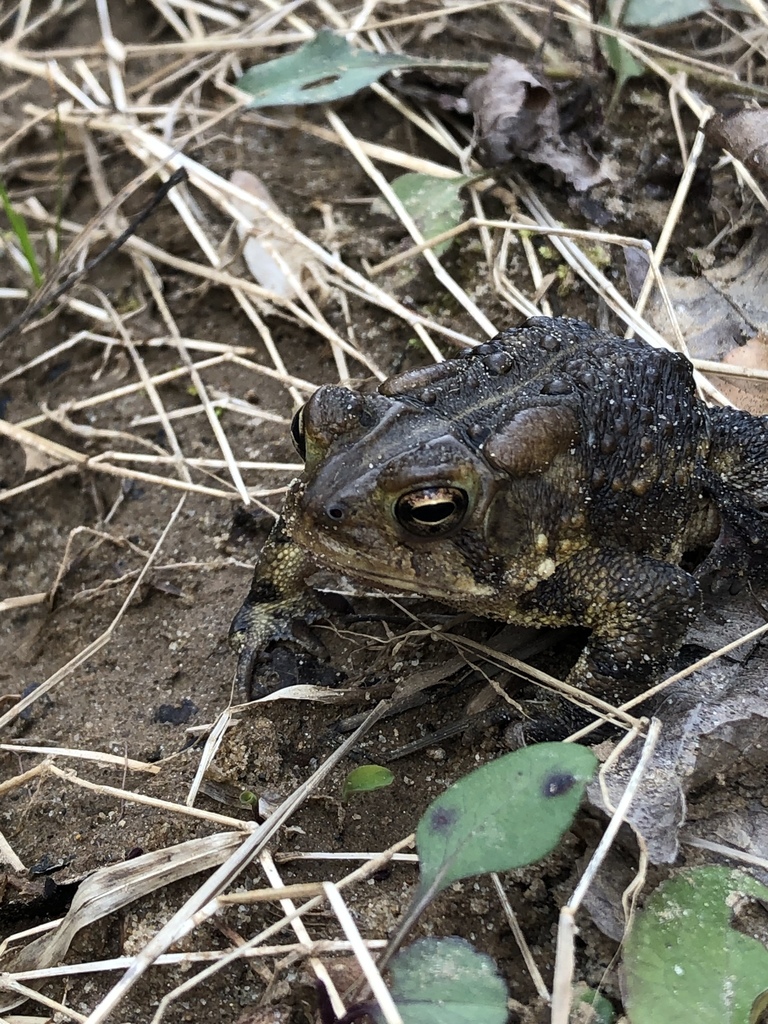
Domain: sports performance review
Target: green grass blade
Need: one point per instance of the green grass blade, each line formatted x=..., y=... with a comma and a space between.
x=19, y=228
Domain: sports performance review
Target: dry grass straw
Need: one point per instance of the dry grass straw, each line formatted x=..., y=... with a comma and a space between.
x=112, y=98
x=562, y=985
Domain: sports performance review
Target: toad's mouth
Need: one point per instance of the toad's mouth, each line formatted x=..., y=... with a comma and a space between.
x=328, y=553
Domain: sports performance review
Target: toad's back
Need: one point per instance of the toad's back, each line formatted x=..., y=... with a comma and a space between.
x=637, y=435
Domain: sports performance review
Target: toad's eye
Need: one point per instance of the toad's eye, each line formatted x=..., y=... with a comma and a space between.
x=432, y=510
x=297, y=432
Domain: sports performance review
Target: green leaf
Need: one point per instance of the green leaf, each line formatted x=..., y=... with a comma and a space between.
x=446, y=981
x=622, y=63
x=324, y=69
x=434, y=203
x=602, y=1011
x=651, y=13
x=366, y=778
x=684, y=962
x=508, y=813
x=19, y=228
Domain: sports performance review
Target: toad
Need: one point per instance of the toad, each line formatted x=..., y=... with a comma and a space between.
x=556, y=475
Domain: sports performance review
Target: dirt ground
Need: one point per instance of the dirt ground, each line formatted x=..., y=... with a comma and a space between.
x=145, y=681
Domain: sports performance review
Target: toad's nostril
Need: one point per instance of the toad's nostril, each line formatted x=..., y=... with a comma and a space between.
x=335, y=512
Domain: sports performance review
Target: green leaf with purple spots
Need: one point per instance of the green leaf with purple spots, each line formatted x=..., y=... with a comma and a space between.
x=508, y=813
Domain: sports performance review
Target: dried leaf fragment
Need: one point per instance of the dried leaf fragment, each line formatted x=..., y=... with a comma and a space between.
x=719, y=308
x=111, y=888
x=274, y=260
x=747, y=393
x=745, y=135
x=714, y=728
x=516, y=115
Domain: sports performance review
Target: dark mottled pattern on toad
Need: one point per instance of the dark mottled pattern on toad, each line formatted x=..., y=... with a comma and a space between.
x=556, y=475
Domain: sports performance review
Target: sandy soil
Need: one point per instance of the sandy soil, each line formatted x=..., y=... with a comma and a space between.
x=164, y=676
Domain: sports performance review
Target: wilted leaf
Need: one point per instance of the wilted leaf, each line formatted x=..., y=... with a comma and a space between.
x=508, y=813
x=745, y=135
x=434, y=203
x=111, y=888
x=305, y=691
x=516, y=115
x=684, y=962
x=719, y=308
x=446, y=981
x=36, y=461
x=272, y=256
x=324, y=69
x=366, y=778
x=715, y=724
x=512, y=109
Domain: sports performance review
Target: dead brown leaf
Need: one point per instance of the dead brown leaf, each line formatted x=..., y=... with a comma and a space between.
x=276, y=261
x=516, y=116
x=114, y=887
x=717, y=310
x=745, y=393
x=745, y=135
x=715, y=725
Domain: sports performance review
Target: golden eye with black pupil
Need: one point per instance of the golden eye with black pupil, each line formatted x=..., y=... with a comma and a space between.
x=297, y=432
x=431, y=511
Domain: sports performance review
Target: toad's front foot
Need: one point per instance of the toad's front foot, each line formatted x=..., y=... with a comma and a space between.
x=260, y=624
x=277, y=598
